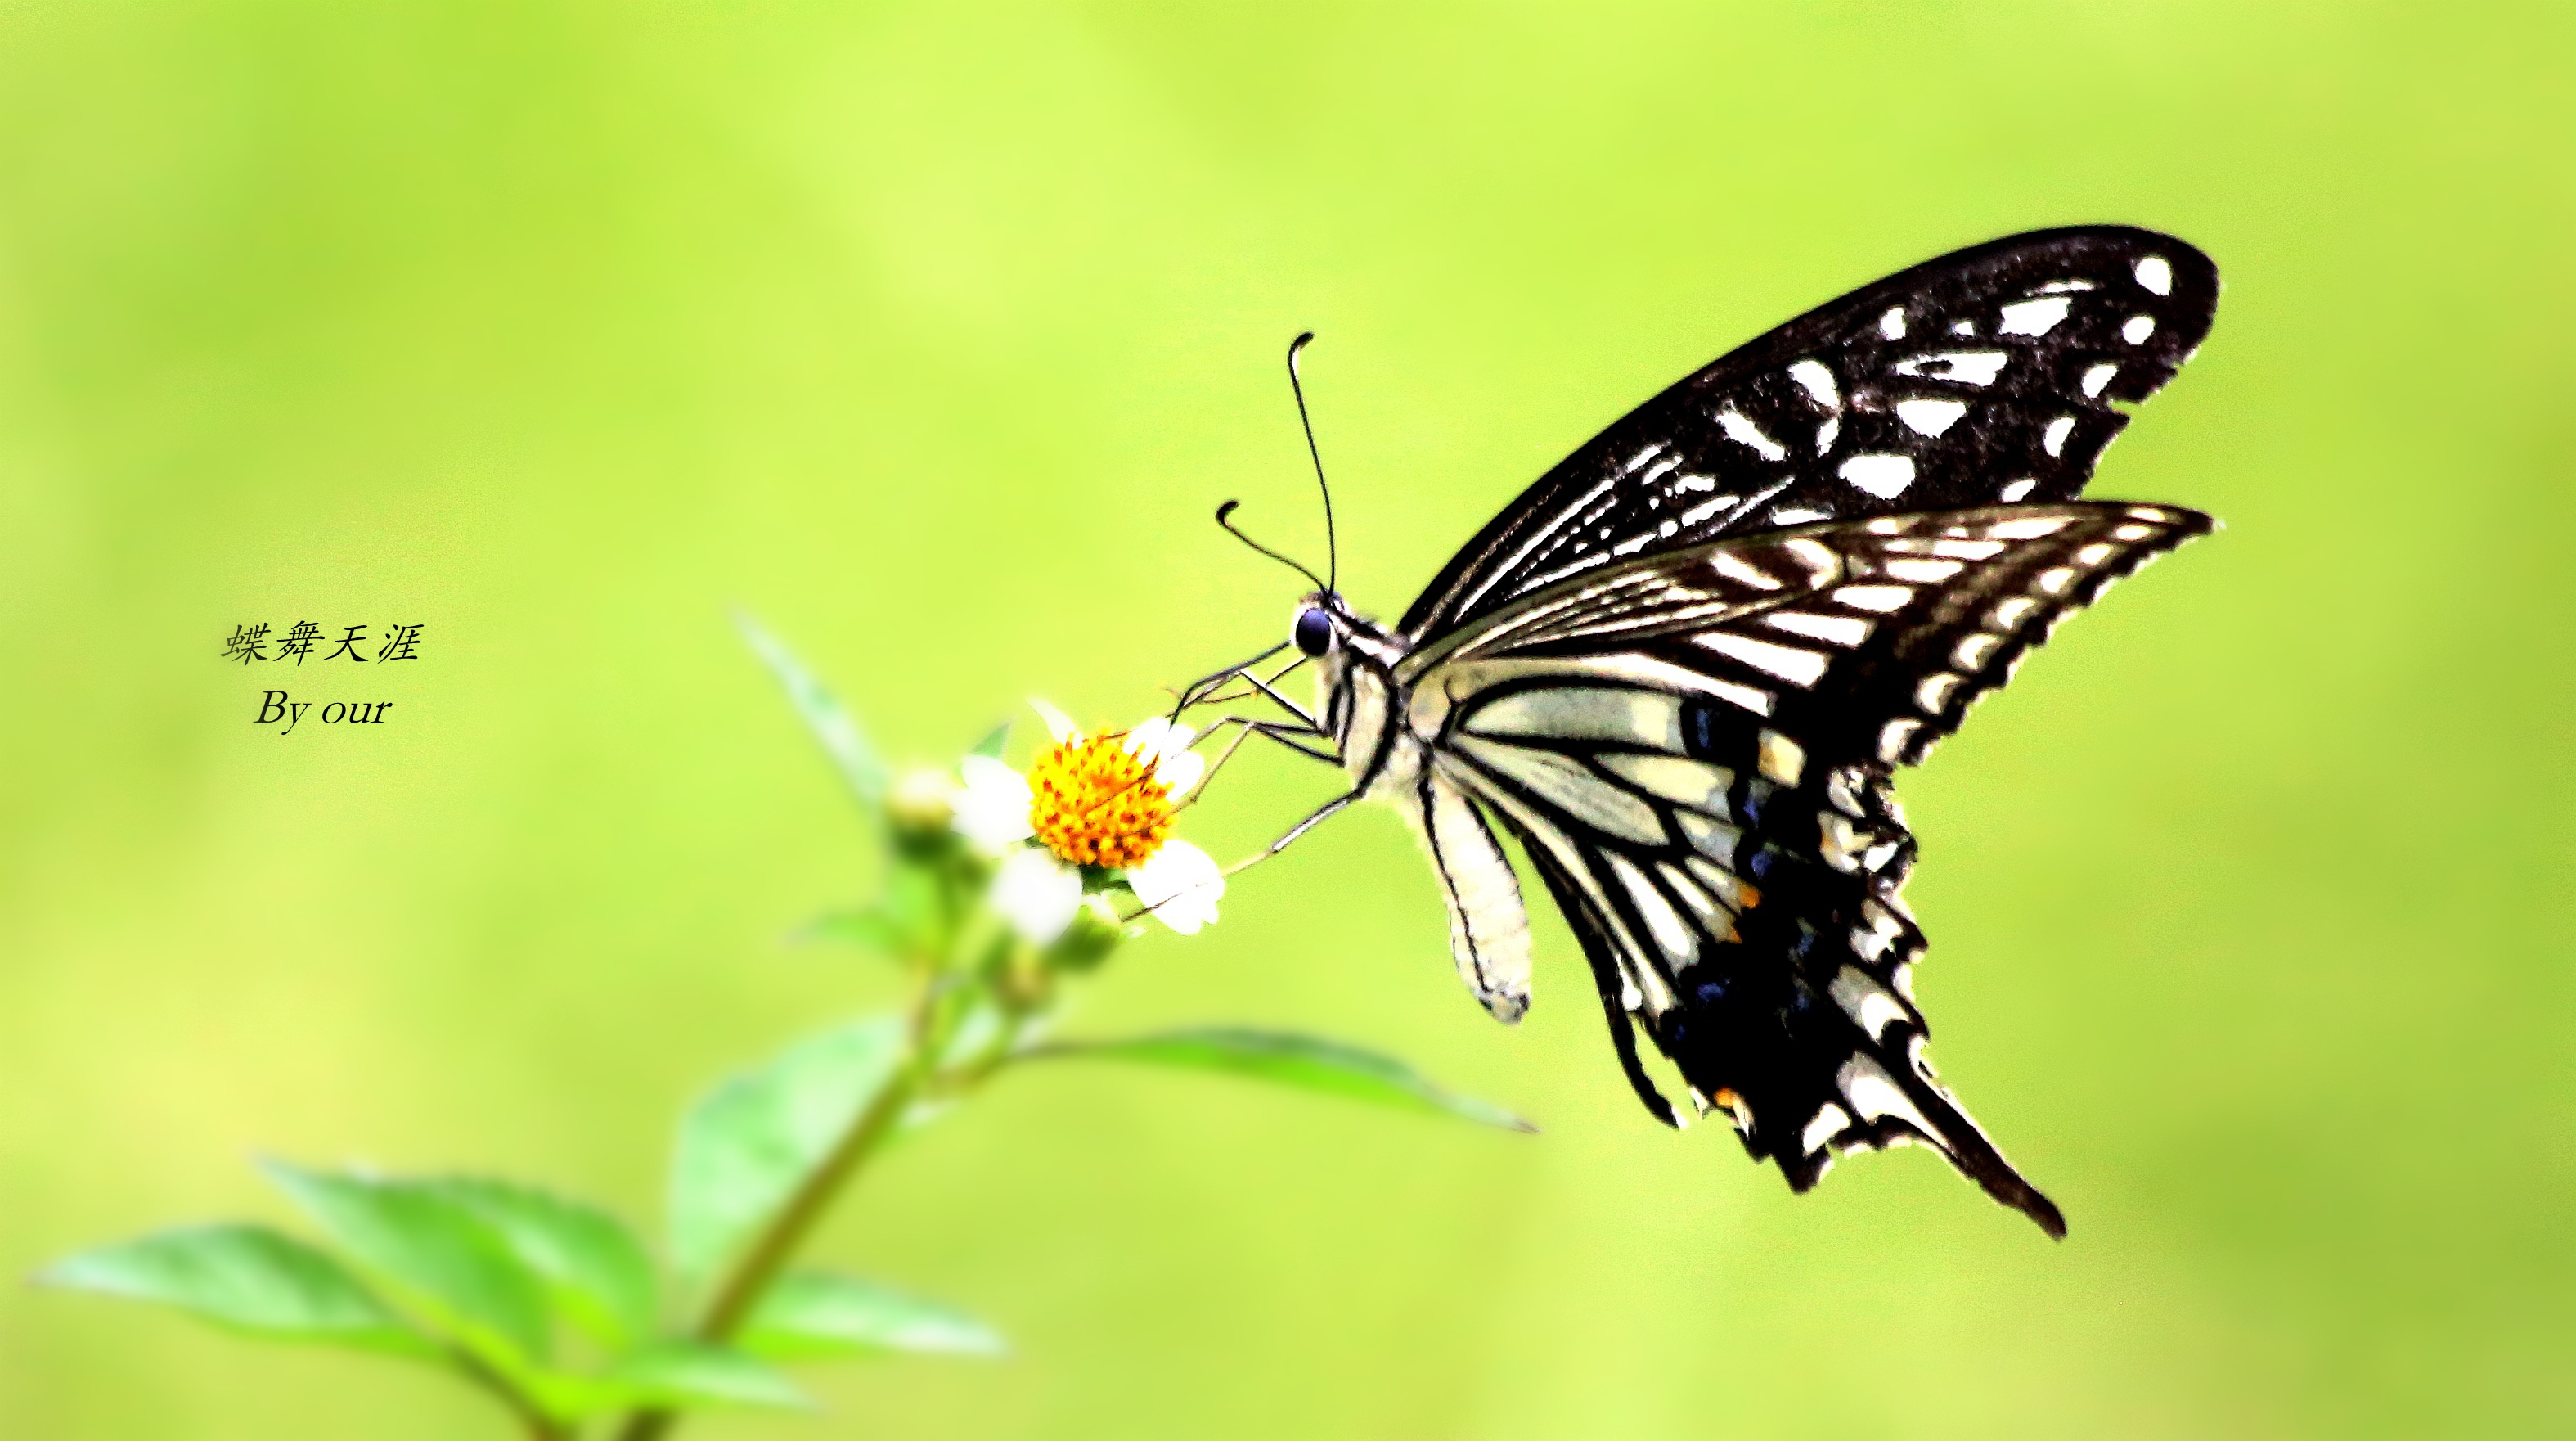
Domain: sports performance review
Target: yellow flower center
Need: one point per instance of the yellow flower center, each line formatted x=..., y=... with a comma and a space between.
x=1093, y=804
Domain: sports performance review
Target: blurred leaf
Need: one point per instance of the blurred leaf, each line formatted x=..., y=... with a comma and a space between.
x=869, y=930
x=1310, y=1062
x=808, y=1314
x=905, y=921
x=248, y=1278
x=824, y=716
x=686, y=1373
x=991, y=745
x=596, y=1273
x=435, y=1252
x=745, y=1145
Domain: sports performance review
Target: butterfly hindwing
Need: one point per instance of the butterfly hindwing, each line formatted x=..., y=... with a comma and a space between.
x=1695, y=750
x=1986, y=376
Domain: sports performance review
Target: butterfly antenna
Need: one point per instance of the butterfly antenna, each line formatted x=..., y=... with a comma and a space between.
x=1332, y=545
x=1223, y=512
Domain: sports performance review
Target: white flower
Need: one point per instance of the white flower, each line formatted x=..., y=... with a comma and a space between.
x=993, y=809
x=1089, y=807
x=1036, y=893
x=1180, y=884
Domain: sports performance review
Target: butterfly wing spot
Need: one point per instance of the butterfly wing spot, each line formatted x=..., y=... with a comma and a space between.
x=1921, y=571
x=1780, y=758
x=2055, y=579
x=1568, y=786
x=2156, y=274
x=2096, y=553
x=1884, y=599
x=1962, y=549
x=1746, y=433
x=1794, y=664
x=1713, y=839
x=1845, y=631
x=1870, y=1005
x=2132, y=532
x=1699, y=513
x=1814, y=377
x=1932, y=694
x=2035, y=527
x=2138, y=329
x=1974, y=650
x=1891, y=325
x=2035, y=317
x=2067, y=287
x=2015, y=490
x=1895, y=736
x=1725, y=884
x=1884, y=476
x=1716, y=919
x=1672, y=934
x=1831, y=1121
x=2012, y=610
x=1797, y=515
x=1841, y=843
x=1968, y=367
x=1874, y=1094
x=2053, y=439
x=1585, y=713
x=1818, y=559
x=1828, y=433
x=2097, y=377
x=1695, y=784
x=1930, y=417
x=1963, y=327
x=1728, y=565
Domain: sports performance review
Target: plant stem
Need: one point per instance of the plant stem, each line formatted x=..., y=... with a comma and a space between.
x=779, y=1240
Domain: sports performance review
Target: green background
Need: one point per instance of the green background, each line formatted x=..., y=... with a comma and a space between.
x=931, y=335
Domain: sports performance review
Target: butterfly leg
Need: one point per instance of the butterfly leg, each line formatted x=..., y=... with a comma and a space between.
x=1322, y=814
x=1199, y=691
x=1287, y=734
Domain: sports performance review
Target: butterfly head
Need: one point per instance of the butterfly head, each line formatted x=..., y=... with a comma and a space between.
x=1313, y=632
x=1328, y=631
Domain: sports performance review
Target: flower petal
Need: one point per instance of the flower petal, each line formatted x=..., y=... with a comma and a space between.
x=1058, y=724
x=1180, y=884
x=1036, y=893
x=1180, y=770
x=1156, y=737
x=993, y=808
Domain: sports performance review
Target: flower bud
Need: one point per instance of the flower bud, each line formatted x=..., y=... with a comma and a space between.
x=921, y=803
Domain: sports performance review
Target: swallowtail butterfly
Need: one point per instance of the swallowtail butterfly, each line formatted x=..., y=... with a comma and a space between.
x=1682, y=669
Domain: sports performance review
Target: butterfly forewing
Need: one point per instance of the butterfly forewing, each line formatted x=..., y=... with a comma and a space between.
x=1985, y=376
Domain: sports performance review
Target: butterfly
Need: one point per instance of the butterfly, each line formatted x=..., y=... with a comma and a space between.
x=1682, y=669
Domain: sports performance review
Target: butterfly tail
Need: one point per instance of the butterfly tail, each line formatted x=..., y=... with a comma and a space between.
x=1803, y=1082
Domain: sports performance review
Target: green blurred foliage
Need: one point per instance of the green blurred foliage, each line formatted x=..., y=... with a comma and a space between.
x=931, y=334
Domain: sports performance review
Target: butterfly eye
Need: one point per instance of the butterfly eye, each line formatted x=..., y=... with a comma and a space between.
x=1313, y=631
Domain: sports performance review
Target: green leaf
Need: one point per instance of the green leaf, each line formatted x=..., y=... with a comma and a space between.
x=839, y=735
x=247, y=1278
x=991, y=745
x=685, y=1373
x=435, y=1253
x=1310, y=1062
x=747, y=1144
x=807, y=1315
x=596, y=1274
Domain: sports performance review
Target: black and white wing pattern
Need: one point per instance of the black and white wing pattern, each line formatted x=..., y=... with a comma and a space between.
x=1986, y=376
x=1695, y=749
